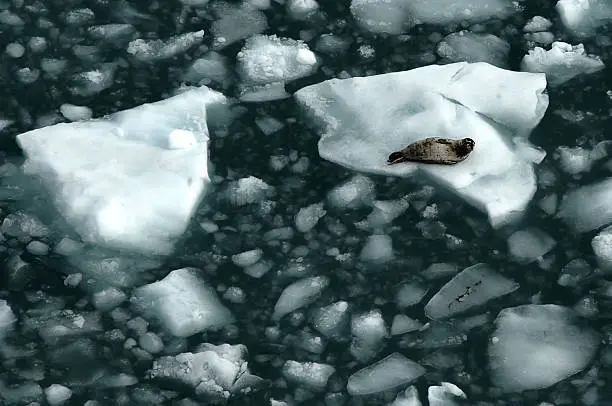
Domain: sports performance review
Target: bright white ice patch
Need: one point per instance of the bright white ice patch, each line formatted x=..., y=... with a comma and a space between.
x=364, y=119
x=131, y=180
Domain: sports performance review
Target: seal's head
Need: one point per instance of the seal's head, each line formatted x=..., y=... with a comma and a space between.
x=465, y=146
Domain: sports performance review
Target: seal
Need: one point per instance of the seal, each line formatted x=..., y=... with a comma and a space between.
x=434, y=151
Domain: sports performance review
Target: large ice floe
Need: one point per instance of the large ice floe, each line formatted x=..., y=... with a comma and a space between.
x=132, y=180
x=363, y=119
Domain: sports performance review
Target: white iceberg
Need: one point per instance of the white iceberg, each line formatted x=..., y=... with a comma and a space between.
x=130, y=180
x=363, y=119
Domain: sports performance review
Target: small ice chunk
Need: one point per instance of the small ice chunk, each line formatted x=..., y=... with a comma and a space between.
x=332, y=321
x=302, y=9
x=403, y=324
x=259, y=269
x=437, y=101
x=23, y=226
x=472, y=47
x=588, y=207
x=561, y=63
x=151, y=343
x=574, y=160
x=542, y=38
x=388, y=373
x=157, y=49
x=311, y=375
x=269, y=125
x=409, y=397
x=530, y=244
x=183, y=303
x=308, y=217
x=67, y=247
x=80, y=16
x=93, y=82
x=247, y=258
x=583, y=17
x=118, y=34
x=378, y=249
x=385, y=211
x=15, y=50
x=212, y=67
x=7, y=318
x=109, y=298
x=37, y=248
x=602, y=247
x=271, y=59
x=75, y=113
x=536, y=346
x=369, y=333
x=57, y=394
x=447, y=394
x=300, y=293
x=247, y=191
x=537, y=24
x=235, y=22
x=472, y=287
x=357, y=192
x=409, y=294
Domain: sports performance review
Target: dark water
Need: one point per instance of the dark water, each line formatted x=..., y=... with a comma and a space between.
x=245, y=152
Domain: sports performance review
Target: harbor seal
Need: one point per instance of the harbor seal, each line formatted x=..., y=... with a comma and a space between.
x=434, y=151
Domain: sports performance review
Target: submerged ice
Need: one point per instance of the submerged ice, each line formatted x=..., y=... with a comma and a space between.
x=363, y=120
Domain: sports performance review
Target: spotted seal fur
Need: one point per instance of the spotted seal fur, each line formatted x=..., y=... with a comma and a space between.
x=434, y=151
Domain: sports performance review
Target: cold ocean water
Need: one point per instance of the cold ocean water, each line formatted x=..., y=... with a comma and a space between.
x=197, y=210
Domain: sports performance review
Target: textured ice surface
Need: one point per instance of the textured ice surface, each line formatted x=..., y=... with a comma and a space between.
x=588, y=207
x=390, y=372
x=536, y=346
x=561, y=63
x=398, y=16
x=299, y=294
x=101, y=176
x=474, y=286
x=182, y=303
x=472, y=47
x=362, y=120
x=602, y=247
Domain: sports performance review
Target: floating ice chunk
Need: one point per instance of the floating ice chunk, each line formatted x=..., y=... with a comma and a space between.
x=311, y=375
x=358, y=191
x=7, y=318
x=75, y=113
x=588, y=207
x=80, y=16
x=112, y=33
x=574, y=160
x=561, y=63
x=447, y=394
x=574, y=273
x=213, y=373
x=333, y=320
x=536, y=346
x=302, y=9
x=195, y=3
x=377, y=249
x=268, y=60
x=57, y=394
x=15, y=50
x=388, y=373
x=409, y=294
x=602, y=247
x=24, y=394
x=105, y=184
x=409, y=397
x=369, y=333
x=157, y=49
x=23, y=226
x=247, y=258
x=308, y=217
x=398, y=16
x=4, y=123
x=472, y=287
x=403, y=324
x=37, y=248
x=385, y=211
x=93, y=82
x=542, y=38
x=212, y=67
x=299, y=294
x=537, y=24
x=362, y=120
x=235, y=22
x=583, y=17
x=183, y=303
x=528, y=245
x=248, y=190
x=471, y=47
x=107, y=299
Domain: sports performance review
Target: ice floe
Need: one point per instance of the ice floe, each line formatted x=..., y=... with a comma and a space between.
x=362, y=120
x=100, y=175
x=536, y=346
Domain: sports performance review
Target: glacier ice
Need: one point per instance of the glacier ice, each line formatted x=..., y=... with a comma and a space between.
x=362, y=120
x=536, y=346
x=100, y=173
